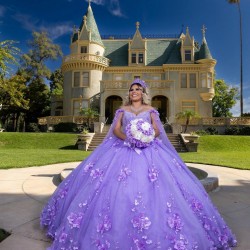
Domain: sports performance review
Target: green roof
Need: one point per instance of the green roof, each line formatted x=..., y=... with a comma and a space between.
x=159, y=52
x=204, y=52
x=117, y=52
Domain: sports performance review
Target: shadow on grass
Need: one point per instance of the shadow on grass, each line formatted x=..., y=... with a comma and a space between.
x=71, y=147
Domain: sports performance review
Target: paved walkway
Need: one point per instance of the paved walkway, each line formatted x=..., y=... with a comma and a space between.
x=23, y=193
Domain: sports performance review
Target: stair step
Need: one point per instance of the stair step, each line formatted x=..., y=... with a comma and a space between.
x=175, y=140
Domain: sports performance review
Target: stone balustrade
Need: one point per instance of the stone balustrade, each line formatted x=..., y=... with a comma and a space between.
x=86, y=57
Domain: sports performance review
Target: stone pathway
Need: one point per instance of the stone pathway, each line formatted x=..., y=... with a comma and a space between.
x=23, y=193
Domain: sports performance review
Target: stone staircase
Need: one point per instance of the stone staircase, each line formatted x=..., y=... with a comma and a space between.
x=174, y=139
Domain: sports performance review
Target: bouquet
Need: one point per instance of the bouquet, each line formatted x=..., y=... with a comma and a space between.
x=139, y=133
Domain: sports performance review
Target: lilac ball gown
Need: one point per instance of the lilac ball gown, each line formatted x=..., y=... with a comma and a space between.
x=122, y=198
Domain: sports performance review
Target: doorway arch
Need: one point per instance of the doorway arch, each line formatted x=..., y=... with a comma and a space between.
x=112, y=103
x=161, y=103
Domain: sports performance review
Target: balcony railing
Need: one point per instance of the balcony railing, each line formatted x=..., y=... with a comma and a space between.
x=52, y=120
x=152, y=84
x=86, y=57
x=207, y=121
x=218, y=121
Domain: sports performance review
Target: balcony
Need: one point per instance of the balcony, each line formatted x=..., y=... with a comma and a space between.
x=83, y=60
x=124, y=85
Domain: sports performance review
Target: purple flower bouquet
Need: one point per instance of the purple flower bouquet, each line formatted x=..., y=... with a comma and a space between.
x=139, y=133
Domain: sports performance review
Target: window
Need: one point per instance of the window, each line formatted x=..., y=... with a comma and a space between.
x=118, y=77
x=140, y=58
x=209, y=80
x=188, y=55
x=206, y=80
x=192, y=80
x=81, y=79
x=188, y=105
x=85, y=79
x=183, y=80
x=76, y=107
x=133, y=59
x=83, y=49
x=135, y=76
x=156, y=77
x=76, y=79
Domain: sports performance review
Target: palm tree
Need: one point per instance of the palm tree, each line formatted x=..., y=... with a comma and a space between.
x=188, y=115
x=241, y=54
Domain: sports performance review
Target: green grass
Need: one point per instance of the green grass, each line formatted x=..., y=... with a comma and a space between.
x=19, y=150
x=222, y=150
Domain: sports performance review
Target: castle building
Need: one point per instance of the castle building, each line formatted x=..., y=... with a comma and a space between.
x=98, y=72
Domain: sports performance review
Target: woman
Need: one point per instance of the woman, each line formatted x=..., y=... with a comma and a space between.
x=134, y=192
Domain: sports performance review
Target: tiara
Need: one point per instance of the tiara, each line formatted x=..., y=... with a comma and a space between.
x=139, y=81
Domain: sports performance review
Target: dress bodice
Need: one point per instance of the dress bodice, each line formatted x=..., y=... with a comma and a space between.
x=128, y=116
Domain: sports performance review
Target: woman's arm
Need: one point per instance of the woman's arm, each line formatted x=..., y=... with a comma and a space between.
x=117, y=129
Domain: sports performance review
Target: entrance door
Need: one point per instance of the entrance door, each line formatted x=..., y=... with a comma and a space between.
x=160, y=103
x=111, y=105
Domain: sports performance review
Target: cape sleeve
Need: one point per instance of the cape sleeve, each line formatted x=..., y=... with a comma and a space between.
x=163, y=136
x=118, y=115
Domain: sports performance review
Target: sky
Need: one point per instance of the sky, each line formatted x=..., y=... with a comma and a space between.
x=18, y=19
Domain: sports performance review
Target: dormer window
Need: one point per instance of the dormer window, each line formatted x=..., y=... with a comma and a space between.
x=188, y=56
x=137, y=58
x=83, y=49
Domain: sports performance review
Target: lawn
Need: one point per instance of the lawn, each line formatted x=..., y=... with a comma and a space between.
x=222, y=150
x=19, y=150
x=35, y=149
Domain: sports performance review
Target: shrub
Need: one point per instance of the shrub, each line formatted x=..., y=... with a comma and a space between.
x=65, y=127
x=233, y=130
x=32, y=127
x=244, y=131
x=201, y=132
x=211, y=131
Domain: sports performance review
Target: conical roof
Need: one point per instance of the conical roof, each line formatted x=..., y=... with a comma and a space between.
x=204, y=52
x=92, y=27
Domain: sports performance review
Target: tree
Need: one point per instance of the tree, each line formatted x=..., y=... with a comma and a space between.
x=89, y=113
x=225, y=98
x=8, y=53
x=33, y=64
x=13, y=101
x=241, y=55
x=56, y=83
x=188, y=115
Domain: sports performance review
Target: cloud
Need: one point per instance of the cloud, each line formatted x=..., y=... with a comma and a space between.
x=54, y=30
x=98, y=2
x=113, y=6
x=2, y=10
x=246, y=107
x=27, y=22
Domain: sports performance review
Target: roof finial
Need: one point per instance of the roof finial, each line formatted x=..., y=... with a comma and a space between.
x=203, y=31
x=137, y=25
x=89, y=2
x=187, y=30
x=85, y=19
